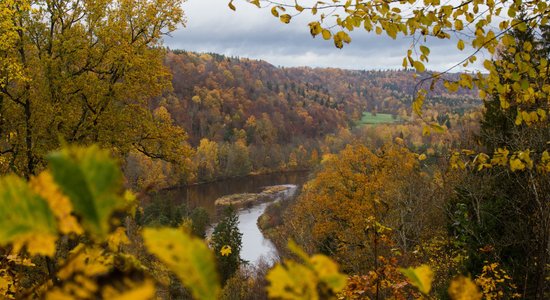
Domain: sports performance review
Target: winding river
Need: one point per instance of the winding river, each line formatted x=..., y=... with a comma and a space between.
x=204, y=195
x=255, y=246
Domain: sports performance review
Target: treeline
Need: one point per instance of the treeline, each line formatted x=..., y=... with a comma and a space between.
x=214, y=95
x=246, y=116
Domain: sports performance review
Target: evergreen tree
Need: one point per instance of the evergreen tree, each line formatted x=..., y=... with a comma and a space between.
x=227, y=234
x=501, y=215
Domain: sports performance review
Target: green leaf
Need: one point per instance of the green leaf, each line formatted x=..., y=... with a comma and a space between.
x=188, y=257
x=420, y=277
x=93, y=182
x=25, y=217
x=230, y=4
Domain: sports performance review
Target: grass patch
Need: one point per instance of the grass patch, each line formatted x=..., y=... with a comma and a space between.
x=368, y=118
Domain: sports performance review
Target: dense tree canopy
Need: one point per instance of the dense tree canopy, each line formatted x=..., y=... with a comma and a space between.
x=83, y=72
x=485, y=25
x=506, y=218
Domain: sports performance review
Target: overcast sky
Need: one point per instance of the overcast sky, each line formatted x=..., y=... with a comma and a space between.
x=254, y=33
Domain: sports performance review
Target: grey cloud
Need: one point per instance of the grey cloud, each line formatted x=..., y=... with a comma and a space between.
x=254, y=33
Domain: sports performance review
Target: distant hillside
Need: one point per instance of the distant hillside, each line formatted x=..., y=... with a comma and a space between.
x=217, y=96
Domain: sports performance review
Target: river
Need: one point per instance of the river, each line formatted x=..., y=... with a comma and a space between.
x=254, y=244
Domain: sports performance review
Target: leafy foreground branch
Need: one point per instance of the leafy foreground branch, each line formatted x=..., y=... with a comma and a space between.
x=69, y=233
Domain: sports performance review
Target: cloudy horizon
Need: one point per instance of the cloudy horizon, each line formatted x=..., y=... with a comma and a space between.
x=254, y=33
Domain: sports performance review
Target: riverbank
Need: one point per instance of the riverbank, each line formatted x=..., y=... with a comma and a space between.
x=229, y=178
x=255, y=245
x=246, y=199
x=273, y=217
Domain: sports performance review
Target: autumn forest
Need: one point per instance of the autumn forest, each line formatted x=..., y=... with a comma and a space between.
x=134, y=170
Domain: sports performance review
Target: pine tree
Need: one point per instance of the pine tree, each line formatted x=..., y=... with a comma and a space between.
x=506, y=218
x=227, y=234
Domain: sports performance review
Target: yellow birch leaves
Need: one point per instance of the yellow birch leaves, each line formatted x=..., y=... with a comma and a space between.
x=25, y=218
x=44, y=185
x=293, y=280
x=421, y=277
x=188, y=257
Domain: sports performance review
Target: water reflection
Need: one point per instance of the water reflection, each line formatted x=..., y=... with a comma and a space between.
x=205, y=195
x=254, y=243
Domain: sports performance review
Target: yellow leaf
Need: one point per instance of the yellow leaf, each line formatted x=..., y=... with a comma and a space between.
x=544, y=165
x=225, y=250
x=456, y=162
x=500, y=157
x=315, y=28
x=285, y=18
x=516, y=164
x=463, y=288
x=25, y=218
x=519, y=119
x=419, y=66
x=292, y=281
x=421, y=277
x=326, y=34
x=460, y=45
x=526, y=117
x=37, y=244
x=482, y=94
x=437, y=128
x=90, y=261
x=344, y=37
x=426, y=131
x=459, y=25
x=117, y=238
x=425, y=50
x=504, y=104
x=525, y=157
x=274, y=11
x=327, y=272
x=256, y=2
x=20, y=261
x=422, y=157
x=542, y=114
x=142, y=291
x=61, y=206
x=188, y=257
x=511, y=12
x=6, y=284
